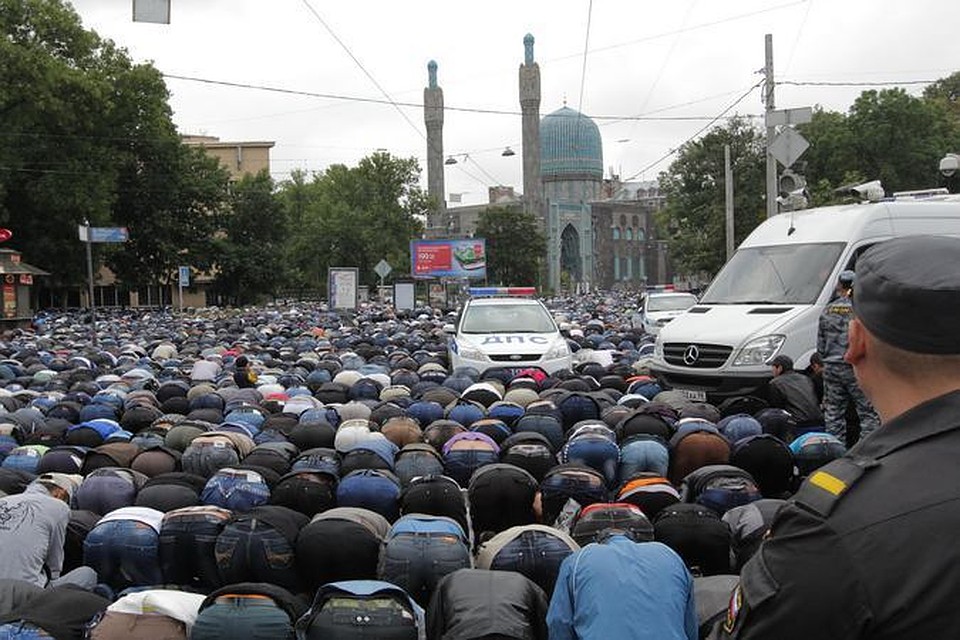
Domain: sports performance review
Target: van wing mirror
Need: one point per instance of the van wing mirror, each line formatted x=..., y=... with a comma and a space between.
x=449, y=328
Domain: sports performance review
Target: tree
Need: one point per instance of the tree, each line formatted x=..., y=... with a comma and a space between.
x=89, y=136
x=515, y=245
x=946, y=92
x=354, y=217
x=888, y=135
x=250, y=250
x=693, y=218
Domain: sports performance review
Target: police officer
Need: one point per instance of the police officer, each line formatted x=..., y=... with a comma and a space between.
x=839, y=384
x=867, y=548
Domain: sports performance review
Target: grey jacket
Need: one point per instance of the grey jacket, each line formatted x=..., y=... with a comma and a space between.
x=33, y=526
x=832, y=332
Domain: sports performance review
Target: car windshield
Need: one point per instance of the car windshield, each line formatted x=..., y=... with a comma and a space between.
x=677, y=302
x=782, y=274
x=507, y=318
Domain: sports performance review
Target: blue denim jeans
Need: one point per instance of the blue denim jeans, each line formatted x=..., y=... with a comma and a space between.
x=417, y=562
x=260, y=555
x=206, y=459
x=187, y=544
x=237, y=617
x=22, y=631
x=536, y=555
x=460, y=464
x=124, y=553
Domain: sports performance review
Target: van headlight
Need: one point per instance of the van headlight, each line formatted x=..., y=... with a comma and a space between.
x=558, y=350
x=759, y=350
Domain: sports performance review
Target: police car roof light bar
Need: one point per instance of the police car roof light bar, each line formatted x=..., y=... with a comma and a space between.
x=477, y=292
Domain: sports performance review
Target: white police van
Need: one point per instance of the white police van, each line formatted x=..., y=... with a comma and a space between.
x=768, y=298
x=499, y=328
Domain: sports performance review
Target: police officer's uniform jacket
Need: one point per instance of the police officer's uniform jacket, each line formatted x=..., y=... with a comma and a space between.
x=832, y=330
x=868, y=548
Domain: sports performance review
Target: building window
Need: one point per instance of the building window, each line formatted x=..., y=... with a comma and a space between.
x=616, y=233
x=616, y=267
x=626, y=268
x=641, y=268
x=636, y=221
x=629, y=268
x=641, y=234
x=629, y=233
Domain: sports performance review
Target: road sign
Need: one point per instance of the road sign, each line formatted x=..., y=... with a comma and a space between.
x=783, y=117
x=104, y=234
x=5, y=234
x=788, y=146
x=184, y=273
x=383, y=269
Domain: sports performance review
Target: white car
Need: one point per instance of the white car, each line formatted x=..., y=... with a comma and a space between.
x=657, y=309
x=516, y=333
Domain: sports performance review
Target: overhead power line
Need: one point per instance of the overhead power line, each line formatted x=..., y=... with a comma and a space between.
x=716, y=118
x=842, y=83
x=419, y=105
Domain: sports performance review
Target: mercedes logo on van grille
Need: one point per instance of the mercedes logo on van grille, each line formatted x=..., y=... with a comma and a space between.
x=691, y=355
x=516, y=356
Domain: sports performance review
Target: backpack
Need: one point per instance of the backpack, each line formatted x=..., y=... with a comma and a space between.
x=362, y=609
x=341, y=544
x=188, y=539
x=235, y=489
x=698, y=536
x=533, y=550
x=596, y=518
x=501, y=496
x=719, y=487
x=419, y=550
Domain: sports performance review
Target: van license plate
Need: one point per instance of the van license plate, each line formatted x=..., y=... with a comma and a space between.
x=694, y=394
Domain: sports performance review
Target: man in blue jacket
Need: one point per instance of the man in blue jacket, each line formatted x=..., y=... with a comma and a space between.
x=619, y=588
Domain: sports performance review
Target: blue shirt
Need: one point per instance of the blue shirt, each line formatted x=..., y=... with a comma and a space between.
x=623, y=589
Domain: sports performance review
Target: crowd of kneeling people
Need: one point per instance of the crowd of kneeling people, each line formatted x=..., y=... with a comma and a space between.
x=277, y=476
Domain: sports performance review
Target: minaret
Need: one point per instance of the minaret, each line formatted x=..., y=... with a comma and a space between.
x=530, y=108
x=433, y=118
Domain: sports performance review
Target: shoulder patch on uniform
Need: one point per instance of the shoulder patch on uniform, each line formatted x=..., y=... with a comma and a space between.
x=824, y=488
x=733, y=609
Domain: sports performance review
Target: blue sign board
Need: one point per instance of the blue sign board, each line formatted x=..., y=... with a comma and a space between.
x=184, y=276
x=104, y=234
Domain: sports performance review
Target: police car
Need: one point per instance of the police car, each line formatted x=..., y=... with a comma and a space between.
x=500, y=328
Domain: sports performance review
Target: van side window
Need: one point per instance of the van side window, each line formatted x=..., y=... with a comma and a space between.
x=852, y=263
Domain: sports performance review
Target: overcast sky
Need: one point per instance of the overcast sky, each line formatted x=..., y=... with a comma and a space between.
x=655, y=58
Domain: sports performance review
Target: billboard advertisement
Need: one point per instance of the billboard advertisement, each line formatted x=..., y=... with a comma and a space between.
x=449, y=258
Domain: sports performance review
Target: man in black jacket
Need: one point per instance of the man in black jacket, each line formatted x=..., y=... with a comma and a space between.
x=791, y=390
x=862, y=550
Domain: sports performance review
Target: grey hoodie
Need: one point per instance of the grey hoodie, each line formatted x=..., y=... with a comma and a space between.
x=33, y=525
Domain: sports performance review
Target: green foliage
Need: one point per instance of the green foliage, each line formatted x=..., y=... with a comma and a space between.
x=353, y=217
x=515, y=246
x=887, y=135
x=693, y=218
x=89, y=136
x=946, y=93
x=250, y=249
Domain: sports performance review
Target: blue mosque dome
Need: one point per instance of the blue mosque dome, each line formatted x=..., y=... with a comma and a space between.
x=570, y=146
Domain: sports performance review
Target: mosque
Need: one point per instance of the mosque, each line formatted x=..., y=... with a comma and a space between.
x=600, y=232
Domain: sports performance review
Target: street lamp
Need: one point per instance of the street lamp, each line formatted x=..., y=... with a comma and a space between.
x=508, y=152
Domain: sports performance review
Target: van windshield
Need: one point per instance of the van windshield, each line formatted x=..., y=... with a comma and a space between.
x=782, y=274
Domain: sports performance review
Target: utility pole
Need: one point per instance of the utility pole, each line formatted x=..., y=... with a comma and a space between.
x=728, y=183
x=768, y=87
